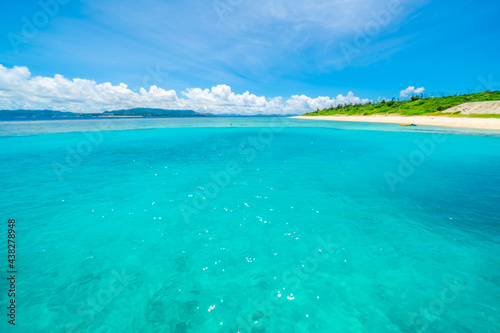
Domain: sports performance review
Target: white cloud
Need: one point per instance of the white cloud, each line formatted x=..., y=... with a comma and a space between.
x=411, y=91
x=20, y=90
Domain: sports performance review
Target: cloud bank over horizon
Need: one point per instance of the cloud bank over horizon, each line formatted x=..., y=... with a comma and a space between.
x=20, y=90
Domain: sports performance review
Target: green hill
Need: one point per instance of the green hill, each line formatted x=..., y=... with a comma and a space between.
x=417, y=106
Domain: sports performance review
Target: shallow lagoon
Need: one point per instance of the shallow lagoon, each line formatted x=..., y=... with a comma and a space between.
x=252, y=225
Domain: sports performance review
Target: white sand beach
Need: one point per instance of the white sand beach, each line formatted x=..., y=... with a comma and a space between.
x=443, y=121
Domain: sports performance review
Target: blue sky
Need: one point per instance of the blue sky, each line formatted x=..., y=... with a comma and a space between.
x=272, y=49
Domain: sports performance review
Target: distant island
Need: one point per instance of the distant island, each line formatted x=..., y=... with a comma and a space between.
x=416, y=106
x=137, y=112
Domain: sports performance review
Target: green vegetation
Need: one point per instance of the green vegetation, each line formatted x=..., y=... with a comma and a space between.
x=478, y=115
x=416, y=106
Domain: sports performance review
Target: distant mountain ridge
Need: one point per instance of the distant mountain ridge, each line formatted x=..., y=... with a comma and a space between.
x=151, y=112
x=36, y=113
x=137, y=112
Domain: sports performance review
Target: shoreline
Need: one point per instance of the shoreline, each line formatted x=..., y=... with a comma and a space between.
x=460, y=122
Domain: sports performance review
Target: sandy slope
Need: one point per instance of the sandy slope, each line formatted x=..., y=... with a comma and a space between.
x=479, y=123
x=476, y=108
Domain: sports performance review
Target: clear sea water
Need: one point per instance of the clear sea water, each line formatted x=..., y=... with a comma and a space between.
x=250, y=225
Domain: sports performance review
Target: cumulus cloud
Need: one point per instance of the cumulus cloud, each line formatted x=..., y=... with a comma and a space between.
x=411, y=91
x=20, y=90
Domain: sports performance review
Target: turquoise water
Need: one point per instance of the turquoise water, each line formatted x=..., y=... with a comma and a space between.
x=251, y=225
